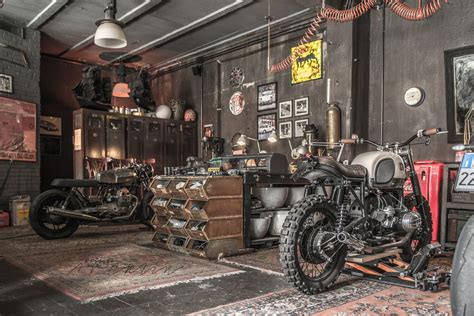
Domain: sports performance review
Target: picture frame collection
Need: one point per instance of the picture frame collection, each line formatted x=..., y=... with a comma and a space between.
x=292, y=114
x=297, y=109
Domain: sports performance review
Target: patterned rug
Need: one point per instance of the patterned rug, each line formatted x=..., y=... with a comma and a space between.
x=97, y=273
x=351, y=297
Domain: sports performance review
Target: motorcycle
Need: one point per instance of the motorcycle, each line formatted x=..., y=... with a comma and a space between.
x=356, y=209
x=114, y=197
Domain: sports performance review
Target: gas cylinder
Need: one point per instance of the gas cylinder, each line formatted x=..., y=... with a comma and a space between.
x=333, y=124
x=311, y=134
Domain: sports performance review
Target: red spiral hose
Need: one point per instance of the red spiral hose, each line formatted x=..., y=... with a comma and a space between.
x=397, y=6
x=414, y=14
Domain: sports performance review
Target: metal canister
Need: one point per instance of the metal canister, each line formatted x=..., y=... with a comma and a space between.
x=311, y=134
x=333, y=124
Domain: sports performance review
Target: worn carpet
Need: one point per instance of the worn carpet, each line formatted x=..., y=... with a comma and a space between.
x=266, y=260
x=97, y=273
x=350, y=297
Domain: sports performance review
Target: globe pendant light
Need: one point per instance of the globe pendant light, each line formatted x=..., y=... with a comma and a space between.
x=109, y=33
x=121, y=88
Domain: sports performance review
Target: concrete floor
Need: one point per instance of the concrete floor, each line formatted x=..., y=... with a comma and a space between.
x=23, y=294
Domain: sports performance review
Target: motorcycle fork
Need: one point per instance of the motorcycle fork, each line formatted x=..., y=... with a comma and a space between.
x=416, y=187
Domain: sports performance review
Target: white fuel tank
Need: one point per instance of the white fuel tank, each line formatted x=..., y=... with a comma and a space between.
x=385, y=170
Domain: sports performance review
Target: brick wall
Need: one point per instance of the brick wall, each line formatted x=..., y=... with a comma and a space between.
x=24, y=176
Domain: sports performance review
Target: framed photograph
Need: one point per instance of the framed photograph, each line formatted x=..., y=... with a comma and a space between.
x=459, y=68
x=285, y=130
x=50, y=125
x=302, y=106
x=267, y=97
x=6, y=83
x=285, y=109
x=307, y=62
x=265, y=125
x=300, y=125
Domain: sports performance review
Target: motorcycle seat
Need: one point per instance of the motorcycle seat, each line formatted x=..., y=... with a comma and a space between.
x=350, y=171
x=71, y=183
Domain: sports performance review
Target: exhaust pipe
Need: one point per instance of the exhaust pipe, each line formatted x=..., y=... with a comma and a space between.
x=71, y=214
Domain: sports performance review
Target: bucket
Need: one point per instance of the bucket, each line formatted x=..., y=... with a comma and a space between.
x=19, y=210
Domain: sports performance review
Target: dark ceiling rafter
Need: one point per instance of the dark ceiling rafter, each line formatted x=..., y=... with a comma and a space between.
x=47, y=13
x=236, y=5
x=128, y=17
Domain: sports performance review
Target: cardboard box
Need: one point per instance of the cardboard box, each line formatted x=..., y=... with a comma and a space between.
x=20, y=210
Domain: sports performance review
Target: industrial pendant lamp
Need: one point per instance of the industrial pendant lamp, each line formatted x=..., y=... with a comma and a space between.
x=109, y=33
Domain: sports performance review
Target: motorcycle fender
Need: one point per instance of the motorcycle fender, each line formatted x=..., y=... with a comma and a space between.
x=315, y=174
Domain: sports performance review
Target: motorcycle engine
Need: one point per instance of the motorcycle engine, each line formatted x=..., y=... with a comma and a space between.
x=400, y=219
x=116, y=202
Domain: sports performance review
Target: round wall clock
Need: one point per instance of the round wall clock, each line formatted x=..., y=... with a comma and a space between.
x=236, y=78
x=237, y=103
x=414, y=96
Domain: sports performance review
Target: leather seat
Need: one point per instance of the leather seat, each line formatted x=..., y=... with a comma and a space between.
x=71, y=183
x=350, y=171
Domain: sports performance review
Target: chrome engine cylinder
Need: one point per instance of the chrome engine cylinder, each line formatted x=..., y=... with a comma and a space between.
x=410, y=221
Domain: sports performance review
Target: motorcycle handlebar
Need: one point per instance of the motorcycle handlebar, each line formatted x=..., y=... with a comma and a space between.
x=430, y=131
x=348, y=141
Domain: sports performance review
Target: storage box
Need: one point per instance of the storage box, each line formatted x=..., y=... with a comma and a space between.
x=20, y=210
x=4, y=219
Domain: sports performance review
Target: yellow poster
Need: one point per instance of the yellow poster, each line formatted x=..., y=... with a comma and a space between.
x=307, y=62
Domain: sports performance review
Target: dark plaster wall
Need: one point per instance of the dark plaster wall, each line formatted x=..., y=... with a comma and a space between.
x=414, y=56
x=216, y=90
x=24, y=177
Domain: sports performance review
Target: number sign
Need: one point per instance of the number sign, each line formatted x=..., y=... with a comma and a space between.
x=465, y=178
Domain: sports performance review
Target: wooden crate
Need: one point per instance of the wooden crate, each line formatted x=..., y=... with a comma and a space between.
x=176, y=208
x=212, y=249
x=158, y=204
x=214, y=229
x=214, y=208
x=176, y=188
x=177, y=230
x=159, y=186
x=204, y=188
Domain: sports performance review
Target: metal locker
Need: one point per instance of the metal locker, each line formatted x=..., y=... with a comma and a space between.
x=94, y=130
x=172, y=145
x=115, y=137
x=135, y=138
x=153, y=145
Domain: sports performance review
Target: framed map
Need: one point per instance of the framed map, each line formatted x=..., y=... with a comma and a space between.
x=307, y=62
x=17, y=130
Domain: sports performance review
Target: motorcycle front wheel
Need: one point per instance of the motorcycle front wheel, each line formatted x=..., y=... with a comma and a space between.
x=52, y=226
x=311, y=222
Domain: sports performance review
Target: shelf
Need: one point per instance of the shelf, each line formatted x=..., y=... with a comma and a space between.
x=465, y=206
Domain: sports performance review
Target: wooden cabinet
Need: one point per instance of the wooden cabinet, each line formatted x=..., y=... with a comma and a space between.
x=100, y=134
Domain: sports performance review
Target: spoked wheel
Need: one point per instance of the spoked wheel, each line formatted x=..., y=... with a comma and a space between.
x=311, y=257
x=52, y=226
x=422, y=237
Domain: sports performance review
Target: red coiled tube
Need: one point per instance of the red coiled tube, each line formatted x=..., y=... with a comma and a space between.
x=357, y=11
x=414, y=14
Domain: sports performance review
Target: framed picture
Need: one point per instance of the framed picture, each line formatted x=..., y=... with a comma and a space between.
x=265, y=125
x=302, y=106
x=459, y=68
x=6, y=83
x=300, y=125
x=267, y=97
x=307, y=62
x=285, y=130
x=285, y=109
x=50, y=125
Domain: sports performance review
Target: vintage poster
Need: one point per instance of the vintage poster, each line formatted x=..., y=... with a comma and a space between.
x=17, y=130
x=307, y=62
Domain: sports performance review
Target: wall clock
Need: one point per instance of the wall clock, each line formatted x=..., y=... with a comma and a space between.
x=414, y=96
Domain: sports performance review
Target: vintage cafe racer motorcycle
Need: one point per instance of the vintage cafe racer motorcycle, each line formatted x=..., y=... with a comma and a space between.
x=57, y=213
x=356, y=210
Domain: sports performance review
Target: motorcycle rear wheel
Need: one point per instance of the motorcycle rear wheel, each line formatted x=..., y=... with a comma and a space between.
x=50, y=226
x=307, y=271
x=147, y=212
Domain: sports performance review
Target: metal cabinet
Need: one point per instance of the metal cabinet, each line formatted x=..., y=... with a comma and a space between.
x=135, y=138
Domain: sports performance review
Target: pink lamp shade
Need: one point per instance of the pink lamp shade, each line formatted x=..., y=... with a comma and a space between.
x=121, y=90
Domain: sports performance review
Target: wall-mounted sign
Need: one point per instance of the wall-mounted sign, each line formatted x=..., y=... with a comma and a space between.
x=6, y=83
x=237, y=77
x=17, y=130
x=267, y=97
x=237, y=103
x=414, y=96
x=307, y=62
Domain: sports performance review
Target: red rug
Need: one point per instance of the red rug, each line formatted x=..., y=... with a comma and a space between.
x=101, y=272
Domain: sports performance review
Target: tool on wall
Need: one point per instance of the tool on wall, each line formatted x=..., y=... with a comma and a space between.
x=399, y=7
x=25, y=63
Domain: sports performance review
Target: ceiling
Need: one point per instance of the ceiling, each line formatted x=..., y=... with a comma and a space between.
x=157, y=30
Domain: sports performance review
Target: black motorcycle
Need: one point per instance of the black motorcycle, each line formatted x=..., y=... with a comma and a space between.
x=356, y=209
x=113, y=197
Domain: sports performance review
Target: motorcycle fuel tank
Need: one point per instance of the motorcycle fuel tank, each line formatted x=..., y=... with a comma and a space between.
x=116, y=176
x=385, y=170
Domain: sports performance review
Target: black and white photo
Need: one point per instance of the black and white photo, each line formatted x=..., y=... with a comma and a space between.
x=266, y=124
x=285, y=109
x=267, y=97
x=285, y=130
x=302, y=106
x=459, y=65
x=6, y=83
x=300, y=126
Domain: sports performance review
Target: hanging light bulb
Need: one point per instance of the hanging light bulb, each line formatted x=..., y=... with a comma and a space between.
x=109, y=33
x=121, y=88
